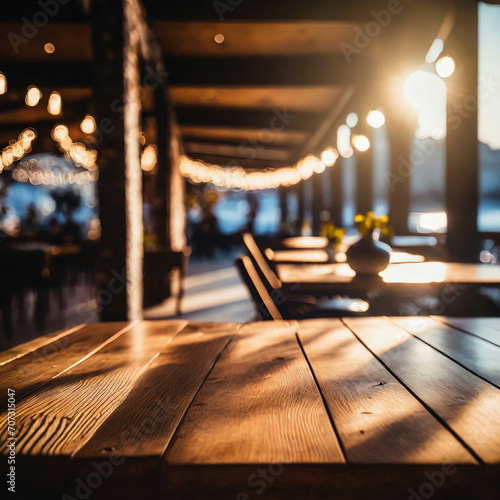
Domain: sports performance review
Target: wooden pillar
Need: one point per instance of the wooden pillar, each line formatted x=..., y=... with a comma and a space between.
x=336, y=192
x=400, y=131
x=107, y=39
x=364, y=181
x=299, y=190
x=162, y=181
x=317, y=202
x=462, y=167
x=117, y=102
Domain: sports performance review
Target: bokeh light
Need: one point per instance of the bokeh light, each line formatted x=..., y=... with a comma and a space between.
x=445, y=66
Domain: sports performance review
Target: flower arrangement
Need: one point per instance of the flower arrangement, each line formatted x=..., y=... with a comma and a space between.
x=334, y=234
x=368, y=223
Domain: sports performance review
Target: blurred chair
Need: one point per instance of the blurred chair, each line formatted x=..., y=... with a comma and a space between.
x=279, y=304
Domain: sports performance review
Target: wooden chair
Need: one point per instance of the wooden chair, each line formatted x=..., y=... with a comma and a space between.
x=262, y=299
x=268, y=276
x=280, y=305
x=293, y=304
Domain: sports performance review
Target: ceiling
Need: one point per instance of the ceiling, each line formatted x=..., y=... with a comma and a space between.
x=269, y=93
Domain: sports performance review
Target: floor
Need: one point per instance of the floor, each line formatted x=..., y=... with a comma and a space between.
x=213, y=292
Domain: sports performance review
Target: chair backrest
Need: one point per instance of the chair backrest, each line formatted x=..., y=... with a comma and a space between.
x=267, y=275
x=260, y=295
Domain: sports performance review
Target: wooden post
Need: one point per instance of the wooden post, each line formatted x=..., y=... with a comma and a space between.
x=364, y=181
x=283, y=194
x=400, y=130
x=107, y=39
x=117, y=103
x=336, y=192
x=462, y=167
x=318, y=202
x=162, y=184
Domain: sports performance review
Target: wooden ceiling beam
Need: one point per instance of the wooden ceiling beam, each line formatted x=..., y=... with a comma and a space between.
x=48, y=74
x=283, y=70
x=262, y=10
x=273, y=120
x=225, y=161
x=244, y=151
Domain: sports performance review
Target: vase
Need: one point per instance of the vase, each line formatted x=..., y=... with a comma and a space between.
x=368, y=256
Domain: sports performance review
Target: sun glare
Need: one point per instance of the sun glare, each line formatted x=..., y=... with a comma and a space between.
x=426, y=92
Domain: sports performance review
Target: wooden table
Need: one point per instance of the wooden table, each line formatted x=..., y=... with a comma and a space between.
x=321, y=256
x=314, y=242
x=354, y=408
x=415, y=278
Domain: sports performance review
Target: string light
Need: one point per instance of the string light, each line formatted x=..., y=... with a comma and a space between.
x=33, y=96
x=445, y=66
x=361, y=142
x=238, y=178
x=351, y=120
x=54, y=104
x=57, y=177
x=49, y=48
x=88, y=125
x=329, y=156
x=375, y=118
x=76, y=151
x=3, y=83
x=148, y=158
x=17, y=149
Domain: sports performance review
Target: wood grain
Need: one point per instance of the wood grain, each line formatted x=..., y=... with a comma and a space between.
x=479, y=356
x=260, y=405
x=486, y=328
x=60, y=417
x=37, y=367
x=377, y=419
x=466, y=403
x=23, y=349
x=142, y=426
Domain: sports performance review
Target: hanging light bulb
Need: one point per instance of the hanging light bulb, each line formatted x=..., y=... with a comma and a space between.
x=54, y=104
x=375, y=118
x=445, y=66
x=148, y=158
x=88, y=125
x=33, y=96
x=361, y=142
x=3, y=83
x=329, y=157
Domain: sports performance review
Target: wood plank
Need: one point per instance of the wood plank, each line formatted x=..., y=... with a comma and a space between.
x=58, y=419
x=141, y=427
x=31, y=371
x=377, y=419
x=486, y=328
x=23, y=349
x=480, y=357
x=467, y=404
x=259, y=405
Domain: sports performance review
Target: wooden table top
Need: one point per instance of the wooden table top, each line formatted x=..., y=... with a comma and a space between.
x=312, y=242
x=352, y=408
x=321, y=256
x=340, y=277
